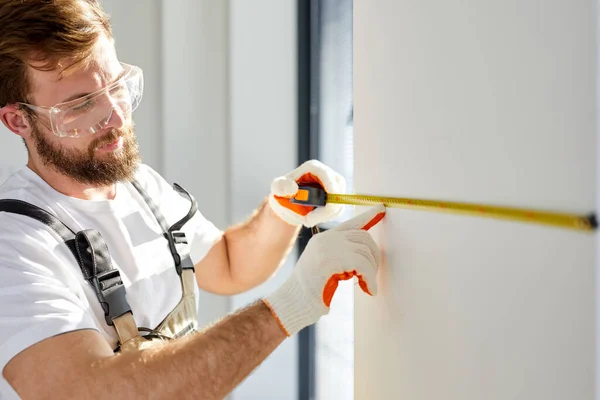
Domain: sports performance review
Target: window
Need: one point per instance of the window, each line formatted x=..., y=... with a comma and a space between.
x=326, y=132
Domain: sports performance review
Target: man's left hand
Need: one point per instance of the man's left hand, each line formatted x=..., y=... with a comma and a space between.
x=284, y=188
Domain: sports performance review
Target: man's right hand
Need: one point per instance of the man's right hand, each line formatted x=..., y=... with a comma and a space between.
x=338, y=254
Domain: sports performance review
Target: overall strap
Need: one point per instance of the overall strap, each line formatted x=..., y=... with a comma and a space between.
x=90, y=251
x=43, y=216
x=172, y=233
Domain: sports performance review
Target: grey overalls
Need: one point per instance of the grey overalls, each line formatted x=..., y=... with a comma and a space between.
x=92, y=255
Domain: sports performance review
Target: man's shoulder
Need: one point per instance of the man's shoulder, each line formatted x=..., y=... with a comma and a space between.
x=6, y=171
x=14, y=183
x=21, y=186
x=23, y=237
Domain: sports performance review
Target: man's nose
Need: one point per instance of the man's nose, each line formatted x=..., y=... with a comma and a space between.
x=116, y=118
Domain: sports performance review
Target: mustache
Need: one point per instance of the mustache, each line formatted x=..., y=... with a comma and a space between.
x=110, y=137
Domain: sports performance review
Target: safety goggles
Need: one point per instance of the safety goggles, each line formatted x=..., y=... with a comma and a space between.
x=92, y=113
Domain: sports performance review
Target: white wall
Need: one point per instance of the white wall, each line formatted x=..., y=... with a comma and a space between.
x=487, y=101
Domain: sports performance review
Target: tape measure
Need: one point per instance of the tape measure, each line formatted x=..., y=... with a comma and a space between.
x=317, y=197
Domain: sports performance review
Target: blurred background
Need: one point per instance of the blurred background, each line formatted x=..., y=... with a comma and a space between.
x=238, y=92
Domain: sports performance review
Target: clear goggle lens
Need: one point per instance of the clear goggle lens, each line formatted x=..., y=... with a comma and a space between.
x=92, y=113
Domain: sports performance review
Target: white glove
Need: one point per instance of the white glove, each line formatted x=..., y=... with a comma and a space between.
x=286, y=187
x=338, y=254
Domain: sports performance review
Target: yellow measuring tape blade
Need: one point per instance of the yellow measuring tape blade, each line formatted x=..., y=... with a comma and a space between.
x=558, y=219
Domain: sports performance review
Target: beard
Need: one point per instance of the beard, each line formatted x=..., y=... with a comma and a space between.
x=85, y=166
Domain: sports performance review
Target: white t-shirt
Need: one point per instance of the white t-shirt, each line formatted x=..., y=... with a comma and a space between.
x=42, y=289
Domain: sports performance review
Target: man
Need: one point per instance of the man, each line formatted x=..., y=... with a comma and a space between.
x=97, y=252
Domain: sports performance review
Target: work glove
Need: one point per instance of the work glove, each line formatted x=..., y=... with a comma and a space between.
x=337, y=254
x=284, y=188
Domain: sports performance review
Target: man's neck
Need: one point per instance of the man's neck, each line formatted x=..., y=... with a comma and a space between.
x=70, y=187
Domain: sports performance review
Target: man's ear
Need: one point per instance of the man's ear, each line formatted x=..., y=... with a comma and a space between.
x=15, y=120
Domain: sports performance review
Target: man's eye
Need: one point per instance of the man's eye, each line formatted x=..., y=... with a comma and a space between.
x=83, y=106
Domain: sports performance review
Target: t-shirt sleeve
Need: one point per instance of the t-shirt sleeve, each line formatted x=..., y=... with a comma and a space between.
x=203, y=232
x=37, y=299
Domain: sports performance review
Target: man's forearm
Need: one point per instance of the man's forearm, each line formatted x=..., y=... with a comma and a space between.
x=207, y=365
x=257, y=247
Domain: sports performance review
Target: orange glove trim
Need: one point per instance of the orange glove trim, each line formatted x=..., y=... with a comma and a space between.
x=276, y=318
x=306, y=179
x=333, y=282
x=374, y=221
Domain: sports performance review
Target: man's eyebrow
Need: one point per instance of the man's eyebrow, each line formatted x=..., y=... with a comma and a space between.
x=78, y=95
